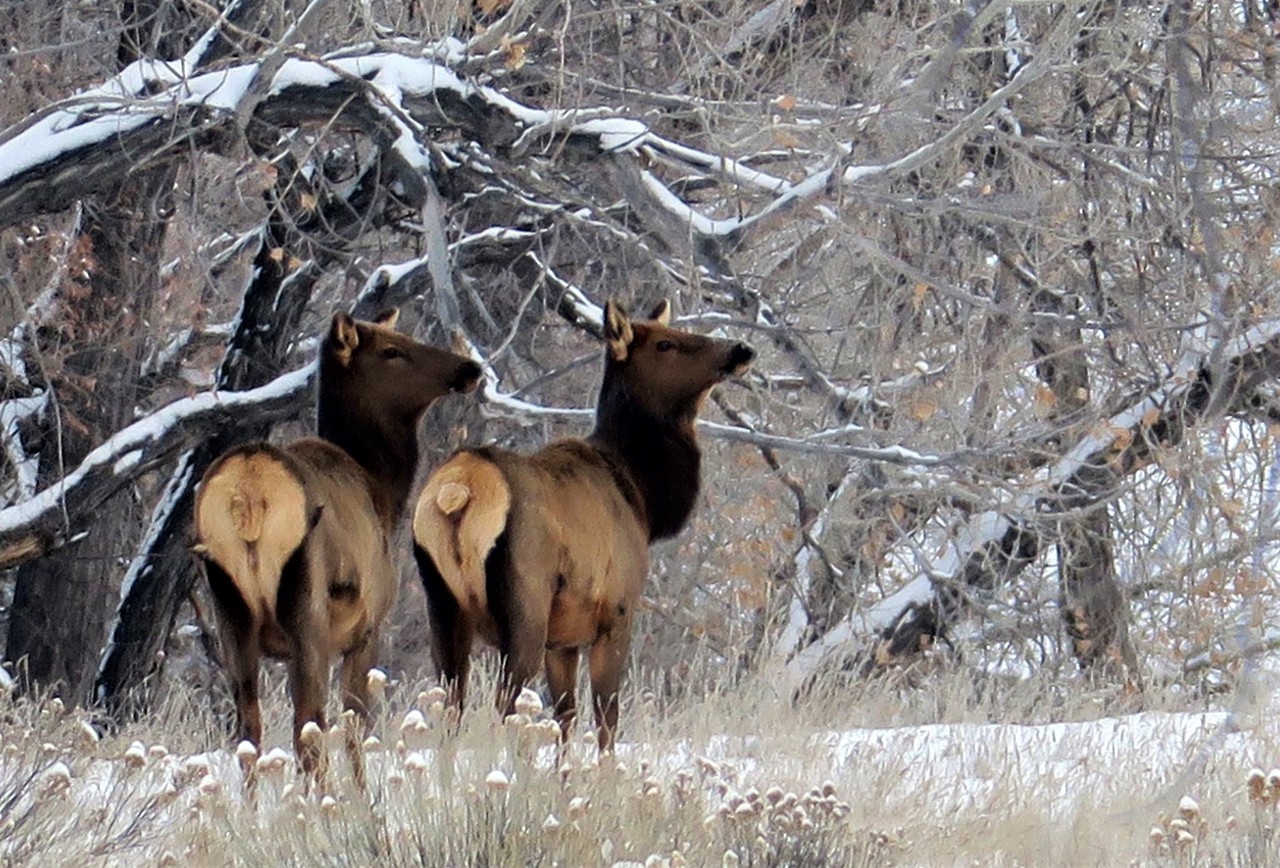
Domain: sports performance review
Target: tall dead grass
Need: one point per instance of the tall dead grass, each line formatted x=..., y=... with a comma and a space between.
x=949, y=773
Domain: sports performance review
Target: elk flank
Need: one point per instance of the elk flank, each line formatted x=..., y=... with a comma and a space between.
x=295, y=539
x=546, y=554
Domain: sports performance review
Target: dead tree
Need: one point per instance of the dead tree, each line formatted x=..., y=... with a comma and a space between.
x=60, y=600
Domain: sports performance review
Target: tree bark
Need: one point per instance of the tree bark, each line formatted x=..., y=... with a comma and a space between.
x=60, y=601
x=1094, y=610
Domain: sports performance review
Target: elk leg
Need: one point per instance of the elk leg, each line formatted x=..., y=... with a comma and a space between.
x=451, y=629
x=523, y=642
x=521, y=622
x=241, y=651
x=356, y=664
x=307, y=671
x=562, y=678
x=608, y=663
x=524, y=653
x=309, y=657
x=242, y=668
x=242, y=655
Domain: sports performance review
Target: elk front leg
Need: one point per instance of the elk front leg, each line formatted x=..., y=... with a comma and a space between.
x=608, y=663
x=562, y=680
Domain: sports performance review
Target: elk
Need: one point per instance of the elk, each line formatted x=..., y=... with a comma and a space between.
x=543, y=555
x=295, y=539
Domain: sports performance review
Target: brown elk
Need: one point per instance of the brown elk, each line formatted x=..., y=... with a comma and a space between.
x=546, y=554
x=295, y=539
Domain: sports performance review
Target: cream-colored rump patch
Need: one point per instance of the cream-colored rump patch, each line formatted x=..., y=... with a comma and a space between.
x=250, y=517
x=460, y=515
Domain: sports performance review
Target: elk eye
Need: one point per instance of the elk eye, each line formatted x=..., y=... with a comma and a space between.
x=394, y=353
x=665, y=346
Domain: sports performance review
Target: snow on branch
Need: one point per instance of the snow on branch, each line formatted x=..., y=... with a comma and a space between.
x=1005, y=539
x=156, y=109
x=57, y=514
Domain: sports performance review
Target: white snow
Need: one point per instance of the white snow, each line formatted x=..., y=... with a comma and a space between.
x=48, y=139
x=733, y=169
x=687, y=215
x=391, y=273
x=945, y=775
x=119, y=106
x=26, y=467
x=492, y=233
x=615, y=134
x=127, y=462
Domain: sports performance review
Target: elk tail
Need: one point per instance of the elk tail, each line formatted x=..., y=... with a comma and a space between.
x=251, y=515
x=460, y=514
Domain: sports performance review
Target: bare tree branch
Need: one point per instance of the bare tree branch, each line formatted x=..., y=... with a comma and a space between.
x=994, y=545
x=58, y=513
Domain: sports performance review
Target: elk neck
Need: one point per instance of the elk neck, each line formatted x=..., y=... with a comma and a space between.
x=385, y=446
x=660, y=454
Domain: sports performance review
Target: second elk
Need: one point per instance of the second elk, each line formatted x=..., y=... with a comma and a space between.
x=546, y=554
x=295, y=539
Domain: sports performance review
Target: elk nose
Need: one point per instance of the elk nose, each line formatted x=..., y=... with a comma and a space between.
x=467, y=377
x=739, y=357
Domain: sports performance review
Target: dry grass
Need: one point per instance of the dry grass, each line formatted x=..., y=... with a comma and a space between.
x=869, y=775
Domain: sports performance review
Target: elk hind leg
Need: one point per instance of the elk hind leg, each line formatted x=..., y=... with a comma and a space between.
x=356, y=664
x=451, y=630
x=562, y=681
x=522, y=655
x=608, y=662
x=308, y=661
x=307, y=671
x=241, y=653
x=522, y=622
x=242, y=666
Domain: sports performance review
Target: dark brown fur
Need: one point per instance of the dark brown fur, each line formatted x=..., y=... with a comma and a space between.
x=295, y=539
x=543, y=555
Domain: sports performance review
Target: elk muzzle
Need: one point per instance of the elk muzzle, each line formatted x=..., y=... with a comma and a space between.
x=467, y=377
x=740, y=357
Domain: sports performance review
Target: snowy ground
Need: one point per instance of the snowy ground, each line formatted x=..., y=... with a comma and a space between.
x=1151, y=787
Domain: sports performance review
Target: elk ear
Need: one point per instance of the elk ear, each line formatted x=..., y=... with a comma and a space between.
x=662, y=313
x=343, y=336
x=617, y=331
x=388, y=318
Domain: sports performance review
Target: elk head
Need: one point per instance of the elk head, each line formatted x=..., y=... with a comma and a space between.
x=375, y=369
x=666, y=372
